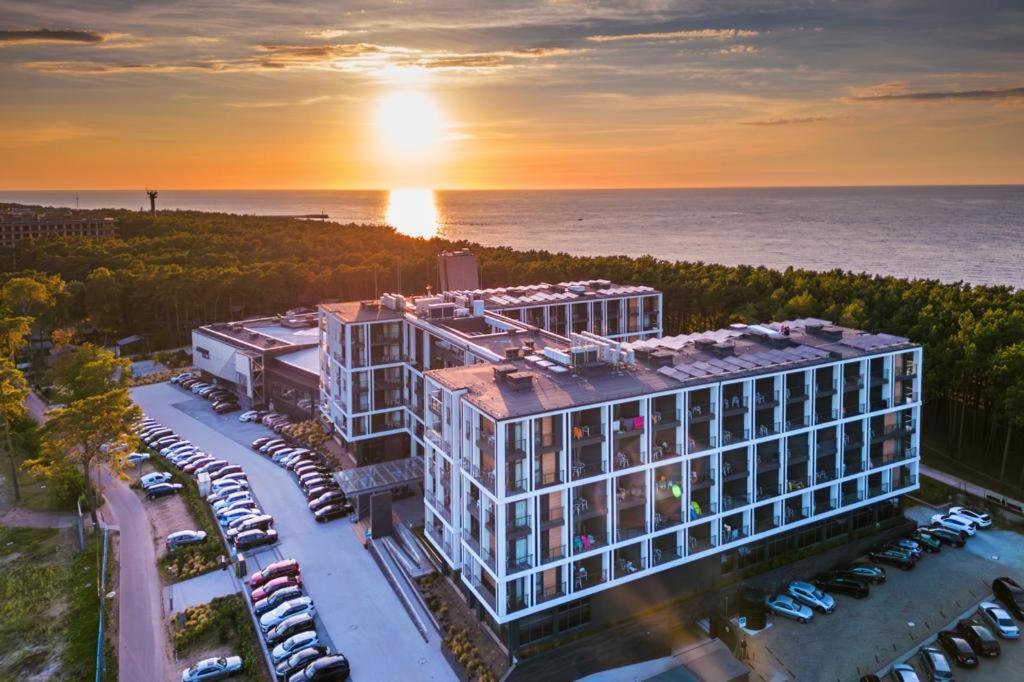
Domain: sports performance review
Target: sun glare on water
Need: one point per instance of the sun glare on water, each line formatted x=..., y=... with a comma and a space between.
x=413, y=212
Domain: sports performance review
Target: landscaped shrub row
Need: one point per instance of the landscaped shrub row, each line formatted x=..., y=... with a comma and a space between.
x=223, y=622
x=456, y=640
x=192, y=560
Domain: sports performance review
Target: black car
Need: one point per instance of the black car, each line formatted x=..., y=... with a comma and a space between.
x=946, y=536
x=330, y=497
x=979, y=637
x=332, y=511
x=327, y=668
x=161, y=489
x=224, y=408
x=299, y=660
x=324, y=487
x=863, y=571
x=892, y=557
x=958, y=649
x=926, y=540
x=838, y=584
x=288, y=627
x=1011, y=595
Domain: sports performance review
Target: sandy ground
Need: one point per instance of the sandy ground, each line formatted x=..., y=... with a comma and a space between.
x=166, y=514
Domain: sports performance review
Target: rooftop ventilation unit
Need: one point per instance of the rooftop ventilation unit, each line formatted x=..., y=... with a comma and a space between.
x=704, y=343
x=502, y=371
x=519, y=381
x=724, y=349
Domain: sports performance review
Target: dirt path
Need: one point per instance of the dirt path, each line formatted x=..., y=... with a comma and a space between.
x=142, y=636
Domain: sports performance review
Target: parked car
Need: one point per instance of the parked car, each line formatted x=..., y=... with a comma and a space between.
x=330, y=497
x=224, y=408
x=332, y=511
x=162, y=489
x=946, y=536
x=298, y=642
x=238, y=521
x=293, y=625
x=928, y=542
x=999, y=620
x=908, y=546
x=270, y=416
x=212, y=467
x=804, y=592
x=280, y=454
x=861, y=570
x=1011, y=595
x=249, y=416
x=979, y=637
x=236, y=476
x=299, y=661
x=224, y=471
x=318, y=491
x=254, y=538
x=182, y=538
x=212, y=669
x=227, y=517
x=334, y=667
x=223, y=502
x=954, y=523
x=137, y=457
x=274, y=570
x=237, y=504
x=840, y=584
x=268, y=604
x=901, y=672
x=892, y=557
x=177, y=447
x=197, y=464
x=261, y=522
x=274, y=585
x=936, y=664
x=260, y=442
x=274, y=448
x=307, y=466
x=292, y=607
x=149, y=480
x=784, y=605
x=979, y=518
x=957, y=648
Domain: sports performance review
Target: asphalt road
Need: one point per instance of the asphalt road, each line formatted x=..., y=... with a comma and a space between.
x=141, y=637
x=361, y=613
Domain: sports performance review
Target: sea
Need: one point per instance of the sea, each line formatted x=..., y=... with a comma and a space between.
x=951, y=233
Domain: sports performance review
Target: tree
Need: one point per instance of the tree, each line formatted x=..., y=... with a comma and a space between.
x=94, y=429
x=14, y=332
x=31, y=296
x=86, y=371
x=13, y=390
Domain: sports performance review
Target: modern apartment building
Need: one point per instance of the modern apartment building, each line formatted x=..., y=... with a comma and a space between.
x=373, y=354
x=579, y=468
x=19, y=224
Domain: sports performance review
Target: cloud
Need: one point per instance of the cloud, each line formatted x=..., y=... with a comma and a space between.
x=697, y=34
x=276, y=104
x=48, y=35
x=739, y=49
x=941, y=95
x=45, y=134
x=788, y=121
x=315, y=53
x=454, y=60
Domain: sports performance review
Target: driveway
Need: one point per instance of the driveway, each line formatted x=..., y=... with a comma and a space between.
x=142, y=635
x=361, y=613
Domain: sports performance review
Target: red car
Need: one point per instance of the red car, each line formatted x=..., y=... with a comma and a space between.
x=274, y=570
x=272, y=586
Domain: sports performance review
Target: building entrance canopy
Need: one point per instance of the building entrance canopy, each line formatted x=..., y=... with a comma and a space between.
x=376, y=478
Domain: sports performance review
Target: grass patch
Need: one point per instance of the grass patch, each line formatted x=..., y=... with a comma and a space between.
x=188, y=562
x=224, y=622
x=49, y=606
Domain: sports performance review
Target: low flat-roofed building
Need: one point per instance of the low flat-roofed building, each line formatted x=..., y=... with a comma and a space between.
x=20, y=224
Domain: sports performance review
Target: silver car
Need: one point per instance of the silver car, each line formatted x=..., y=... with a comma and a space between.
x=292, y=607
x=212, y=669
x=806, y=593
x=185, y=537
x=784, y=605
x=996, y=616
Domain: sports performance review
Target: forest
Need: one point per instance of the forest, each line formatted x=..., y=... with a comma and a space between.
x=176, y=270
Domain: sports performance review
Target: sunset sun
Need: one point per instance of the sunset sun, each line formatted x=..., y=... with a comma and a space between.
x=409, y=123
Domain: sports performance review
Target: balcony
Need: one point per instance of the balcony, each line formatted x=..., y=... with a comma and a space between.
x=824, y=416
x=551, y=518
x=763, y=402
x=732, y=472
x=701, y=479
x=695, y=545
x=627, y=566
x=435, y=438
x=700, y=445
x=797, y=483
x=824, y=507
x=733, y=406
x=664, y=451
x=550, y=592
x=473, y=508
x=909, y=482
x=663, y=556
x=826, y=447
x=518, y=526
x=794, y=423
x=514, y=486
x=852, y=468
x=730, y=502
x=824, y=389
x=584, y=579
x=854, y=410
x=908, y=371
x=734, y=534
x=877, y=490
x=518, y=564
x=796, y=394
x=628, y=498
x=630, y=532
x=587, y=435
x=765, y=430
x=627, y=460
x=545, y=479
x=516, y=603
x=796, y=454
x=700, y=413
x=629, y=427
x=484, y=476
x=739, y=436
x=852, y=498
x=794, y=514
x=435, y=405
x=483, y=591
x=824, y=475
x=515, y=450
x=585, y=469
x=663, y=521
x=587, y=542
x=766, y=492
x=547, y=442
x=852, y=384
x=666, y=420
x=880, y=379
x=485, y=442
x=549, y=554
x=699, y=512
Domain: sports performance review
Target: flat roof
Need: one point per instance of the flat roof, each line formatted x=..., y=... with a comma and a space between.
x=501, y=298
x=264, y=334
x=355, y=311
x=379, y=477
x=306, y=360
x=695, y=360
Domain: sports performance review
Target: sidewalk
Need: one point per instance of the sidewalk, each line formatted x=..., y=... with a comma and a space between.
x=968, y=487
x=199, y=590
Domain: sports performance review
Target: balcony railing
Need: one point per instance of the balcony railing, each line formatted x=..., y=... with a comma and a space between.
x=514, y=486
x=550, y=592
x=699, y=445
x=699, y=511
x=700, y=413
x=518, y=525
x=587, y=434
x=629, y=426
x=435, y=405
x=663, y=556
x=549, y=554
x=515, y=449
x=907, y=482
x=484, y=476
x=701, y=479
x=663, y=521
x=665, y=451
x=584, y=579
x=852, y=498
x=765, y=430
x=765, y=492
x=734, y=405
x=739, y=436
x=908, y=371
x=516, y=603
x=825, y=388
x=852, y=384
x=852, y=468
x=733, y=472
x=734, y=534
x=823, y=416
x=794, y=484
x=585, y=469
x=797, y=394
x=797, y=513
x=763, y=401
x=485, y=441
x=626, y=565
x=734, y=501
x=825, y=474
x=630, y=532
x=517, y=564
x=767, y=462
x=666, y=419
x=695, y=545
x=438, y=441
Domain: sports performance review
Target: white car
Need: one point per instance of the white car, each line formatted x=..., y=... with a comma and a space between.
x=212, y=669
x=250, y=416
x=177, y=447
x=901, y=672
x=954, y=523
x=784, y=605
x=978, y=518
x=999, y=619
x=185, y=537
x=227, y=517
x=231, y=498
x=225, y=484
x=293, y=607
x=298, y=642
x=152, y=479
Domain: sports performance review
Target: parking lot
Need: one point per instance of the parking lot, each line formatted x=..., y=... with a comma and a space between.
x=363, y=617
x=865, y=636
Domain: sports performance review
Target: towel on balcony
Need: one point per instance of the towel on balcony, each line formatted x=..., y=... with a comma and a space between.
x=638, y=423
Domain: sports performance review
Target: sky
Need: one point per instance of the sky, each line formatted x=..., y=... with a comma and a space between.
x=112, y=94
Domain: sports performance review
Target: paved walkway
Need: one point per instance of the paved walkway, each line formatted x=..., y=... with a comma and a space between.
x=142, y=635
x=361, y=613
x=965, y=486
x=199, y=590
x=27, y=518
x=36, y=407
